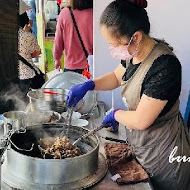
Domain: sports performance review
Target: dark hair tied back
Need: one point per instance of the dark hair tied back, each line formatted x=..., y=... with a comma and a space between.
x=141, y=3
x=23, y=20
x=124, y=18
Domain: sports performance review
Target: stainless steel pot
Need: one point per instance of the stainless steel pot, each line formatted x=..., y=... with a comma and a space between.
x=1, y=128
x=28, y=166
x=13, y=120
x=66, y=80
x=40, y=101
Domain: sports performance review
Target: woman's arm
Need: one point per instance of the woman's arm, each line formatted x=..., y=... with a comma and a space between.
x=36, y=53
x=163, y=84
x=144, y=116
x=111, y=80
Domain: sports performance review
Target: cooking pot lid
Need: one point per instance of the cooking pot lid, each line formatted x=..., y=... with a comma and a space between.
x=68, y=79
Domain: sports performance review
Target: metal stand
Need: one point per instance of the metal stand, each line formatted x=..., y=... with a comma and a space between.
x=1, y=162
x=5, y=142
x=3, y=146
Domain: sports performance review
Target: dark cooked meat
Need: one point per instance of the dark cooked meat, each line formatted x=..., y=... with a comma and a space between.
x=121, y=161
x=62, y=148
x=130, y=172
x=117, y=153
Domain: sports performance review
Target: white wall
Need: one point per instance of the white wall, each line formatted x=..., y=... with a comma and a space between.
x=103, y=61
x=170, y=19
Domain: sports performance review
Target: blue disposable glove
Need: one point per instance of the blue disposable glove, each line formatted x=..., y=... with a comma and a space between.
x=109, y=121
x=77, y=92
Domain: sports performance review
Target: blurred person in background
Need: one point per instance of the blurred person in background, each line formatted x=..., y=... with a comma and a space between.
x=28, y=48
x=32, y=16
x=67, y=40
x=51, y=9
x=65, y=3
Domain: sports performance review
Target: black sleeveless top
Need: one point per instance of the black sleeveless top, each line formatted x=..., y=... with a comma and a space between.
x=162, y=81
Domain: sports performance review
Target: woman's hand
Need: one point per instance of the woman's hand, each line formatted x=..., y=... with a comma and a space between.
x=109, y=121
x=31, y=22
x=77, y=92
x=58, y=64
x=28, y=27
x=36, y=54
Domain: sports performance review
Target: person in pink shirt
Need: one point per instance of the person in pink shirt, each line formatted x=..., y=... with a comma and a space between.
x=67, y=40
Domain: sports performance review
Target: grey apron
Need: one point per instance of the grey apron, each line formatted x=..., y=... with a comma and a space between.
x=153, y=146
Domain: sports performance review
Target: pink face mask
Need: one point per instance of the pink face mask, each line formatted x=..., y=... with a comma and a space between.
x=122, y=53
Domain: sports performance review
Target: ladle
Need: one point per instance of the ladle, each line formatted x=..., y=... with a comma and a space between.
x=88, y=134
x=68, y=121
x=69, y=117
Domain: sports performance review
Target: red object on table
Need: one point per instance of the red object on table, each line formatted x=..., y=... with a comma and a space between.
x=51, y=92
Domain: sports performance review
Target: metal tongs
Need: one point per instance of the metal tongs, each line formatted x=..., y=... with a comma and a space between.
x=88, y=134
x=68, y=120
x=69, y=112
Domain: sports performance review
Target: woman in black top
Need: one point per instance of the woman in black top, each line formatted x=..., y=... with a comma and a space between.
x=150, y=78
x=163, y=80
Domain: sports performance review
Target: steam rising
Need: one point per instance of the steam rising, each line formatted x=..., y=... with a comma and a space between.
x=18, y=98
